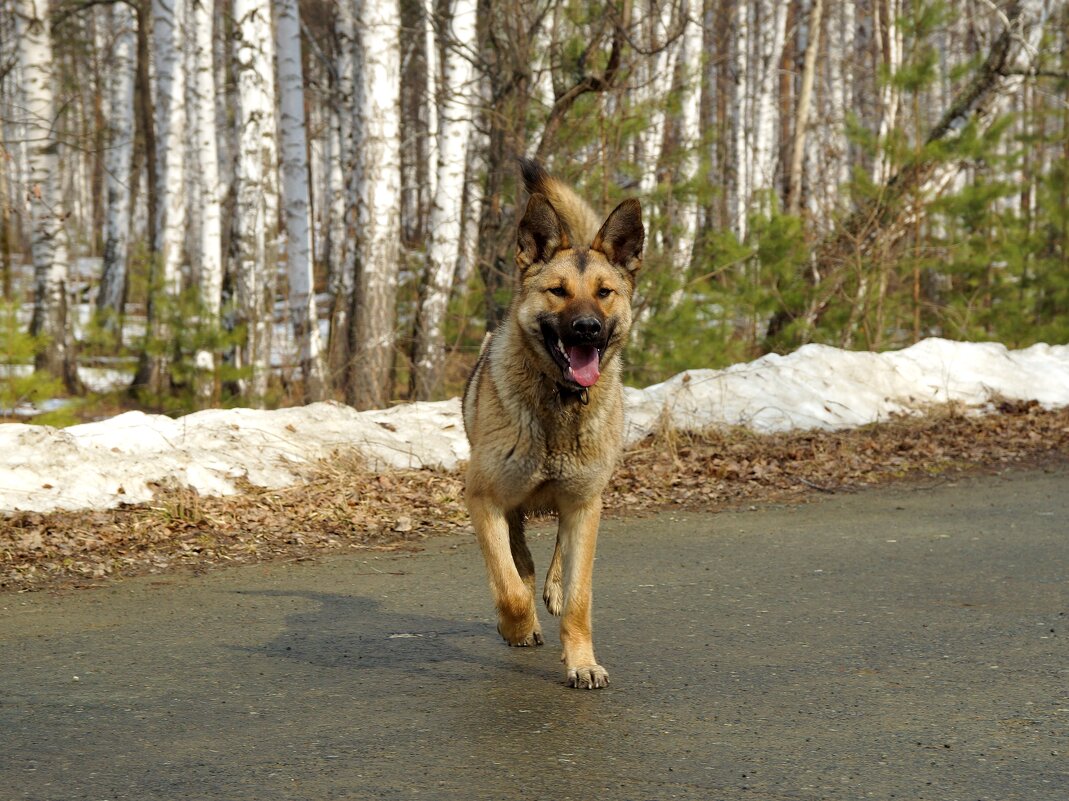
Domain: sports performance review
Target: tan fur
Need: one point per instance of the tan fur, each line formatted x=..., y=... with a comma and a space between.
x=581, y=221
x=539, y=442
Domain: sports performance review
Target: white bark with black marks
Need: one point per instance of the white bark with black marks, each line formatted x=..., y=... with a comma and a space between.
x=444, y=229
x=48, y=242
x=378, y=195
x=168, y=36
x=297, y=201
x=118, y=160
x=254, y=211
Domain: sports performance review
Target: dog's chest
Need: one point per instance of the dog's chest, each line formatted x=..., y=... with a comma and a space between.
x=574, y=449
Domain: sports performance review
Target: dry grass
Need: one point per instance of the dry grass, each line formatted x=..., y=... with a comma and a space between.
x=345, y=506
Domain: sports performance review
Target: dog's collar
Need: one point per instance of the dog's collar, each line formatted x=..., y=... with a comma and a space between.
x=567, y=393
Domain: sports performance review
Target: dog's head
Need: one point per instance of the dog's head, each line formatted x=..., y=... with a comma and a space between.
x=575, y=297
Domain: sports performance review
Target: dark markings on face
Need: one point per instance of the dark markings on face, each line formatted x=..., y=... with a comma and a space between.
x=581, y=260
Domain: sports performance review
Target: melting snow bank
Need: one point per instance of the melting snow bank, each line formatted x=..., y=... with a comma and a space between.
x=822, y=387
x=121, y=460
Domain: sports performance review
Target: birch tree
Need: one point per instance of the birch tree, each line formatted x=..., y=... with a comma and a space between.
x=656, y=71
x=444, y=228
x=47, y=238
x=740, y=181
x=168, y=199
x=253, y=214
x=827, y=149
x=690, y=72
x=370, y=375
x=209, y=279
x=888, y=38
x=771, y=36
x=341, y=198
x=168, y=30
x=812, y=46
x=296, y=200
x=118, y=161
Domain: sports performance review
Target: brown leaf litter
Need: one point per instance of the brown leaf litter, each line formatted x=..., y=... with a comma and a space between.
x=345, y=506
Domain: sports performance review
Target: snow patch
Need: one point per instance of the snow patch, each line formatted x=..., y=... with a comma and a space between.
x=121, y=460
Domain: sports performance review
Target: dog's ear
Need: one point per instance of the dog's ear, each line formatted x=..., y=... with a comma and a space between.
x=541, y=233
x=621, y=237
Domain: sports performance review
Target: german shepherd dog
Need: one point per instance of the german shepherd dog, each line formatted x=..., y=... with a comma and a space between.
x=543, y=411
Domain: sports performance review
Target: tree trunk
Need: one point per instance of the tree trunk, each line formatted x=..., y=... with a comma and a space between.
x=657, y=68
x=340, y=258
x=169, y=125
x=771, y=37
x=209, y=210
x=296, y=201
x=740, y=185
x=504, y=35
x=254, y=221
x=55, y=351
x=120, y=118
x=889, y=44
x=794, y=186
x=827, y=149
x=168, y=31
x=378, y=192
x=687, y=210
x=443, y=246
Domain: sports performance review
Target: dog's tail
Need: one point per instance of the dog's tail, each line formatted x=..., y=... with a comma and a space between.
x=580, y=220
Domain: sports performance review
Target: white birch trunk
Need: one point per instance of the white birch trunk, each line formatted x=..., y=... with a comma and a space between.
x=118, y=160
x=827, y=156
x=889, y=97
x=690, y=70
x=169, y=42
x=444, y=228
x=297, y=201
x=340, y=259
x=47, y=238
x=772, y=33
x=378, y=192
x=431, y=102
x=741, y=187
x=474, y=180
x=655, y=90
x=254, y=220
x=206, y=160
x=809, y=38
x=13, y=118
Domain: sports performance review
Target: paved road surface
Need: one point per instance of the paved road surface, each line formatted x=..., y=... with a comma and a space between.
x=901, y=643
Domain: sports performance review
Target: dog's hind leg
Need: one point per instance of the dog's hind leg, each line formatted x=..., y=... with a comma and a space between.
x=553, y=590
x=517, y=620
x=521, y=554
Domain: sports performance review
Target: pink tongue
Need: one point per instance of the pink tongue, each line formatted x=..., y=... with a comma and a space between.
x=584, y=364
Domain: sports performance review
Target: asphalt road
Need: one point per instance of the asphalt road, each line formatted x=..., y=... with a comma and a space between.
x=899, y=643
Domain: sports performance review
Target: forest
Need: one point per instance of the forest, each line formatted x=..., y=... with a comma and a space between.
x=272, y=202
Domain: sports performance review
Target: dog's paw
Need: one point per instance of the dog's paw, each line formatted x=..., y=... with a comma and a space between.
x=553, y=595
x=588, y=677
x=519, y=639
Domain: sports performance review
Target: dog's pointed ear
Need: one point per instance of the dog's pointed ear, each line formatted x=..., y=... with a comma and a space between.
x=541, y=233
x=621, y=238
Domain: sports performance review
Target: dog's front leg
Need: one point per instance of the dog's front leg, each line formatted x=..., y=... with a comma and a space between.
x=577, y=538
x=517, y=620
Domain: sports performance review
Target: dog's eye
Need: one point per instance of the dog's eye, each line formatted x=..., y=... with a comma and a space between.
x=559, y=291
x=604, y=292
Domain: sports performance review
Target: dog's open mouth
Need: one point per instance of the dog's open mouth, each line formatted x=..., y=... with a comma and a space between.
x=579, y=361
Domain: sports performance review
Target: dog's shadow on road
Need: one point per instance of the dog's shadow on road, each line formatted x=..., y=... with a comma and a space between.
x=361, y=634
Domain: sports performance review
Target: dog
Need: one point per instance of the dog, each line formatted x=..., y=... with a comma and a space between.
x=543, y=411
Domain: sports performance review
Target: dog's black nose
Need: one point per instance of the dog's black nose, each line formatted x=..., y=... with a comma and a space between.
x=588, y=326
